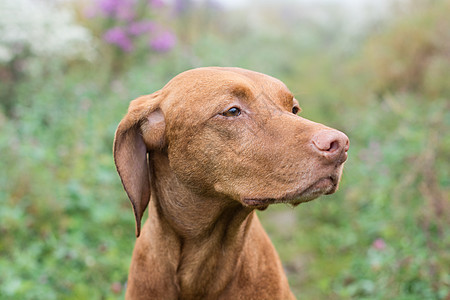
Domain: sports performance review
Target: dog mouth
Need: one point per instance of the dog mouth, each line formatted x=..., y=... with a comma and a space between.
x=323, y=186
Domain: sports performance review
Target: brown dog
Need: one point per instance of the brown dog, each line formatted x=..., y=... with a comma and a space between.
x=208, y=149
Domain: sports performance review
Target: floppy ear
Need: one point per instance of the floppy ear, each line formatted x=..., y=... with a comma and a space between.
x=140, y=131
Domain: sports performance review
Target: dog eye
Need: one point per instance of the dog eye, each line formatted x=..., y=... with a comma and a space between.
x=295, y=110
x=232, y=112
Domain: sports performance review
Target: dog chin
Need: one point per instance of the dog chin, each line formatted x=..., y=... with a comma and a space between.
x=323, y=186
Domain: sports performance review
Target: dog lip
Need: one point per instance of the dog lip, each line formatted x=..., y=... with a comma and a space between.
x=323, y=186
x=260, y=202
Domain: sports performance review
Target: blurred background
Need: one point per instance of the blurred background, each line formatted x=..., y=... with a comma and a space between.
x=377, y=70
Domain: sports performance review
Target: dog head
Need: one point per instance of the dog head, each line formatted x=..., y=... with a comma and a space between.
x=229, y=133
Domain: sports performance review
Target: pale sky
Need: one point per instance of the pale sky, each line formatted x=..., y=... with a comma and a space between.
x=359, y=11
x=347, y=3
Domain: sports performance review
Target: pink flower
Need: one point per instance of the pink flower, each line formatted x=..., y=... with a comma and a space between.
x=379, y=244
x=125, y=13
x=138, y=28
x=163, y=42
x=117, y=36
x=121, y=9
x=109, y=7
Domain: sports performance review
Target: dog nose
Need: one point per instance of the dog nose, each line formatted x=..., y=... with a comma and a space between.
x=331, y=144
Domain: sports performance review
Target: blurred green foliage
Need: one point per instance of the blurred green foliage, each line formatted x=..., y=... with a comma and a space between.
x=66, y=227
x=411, y=54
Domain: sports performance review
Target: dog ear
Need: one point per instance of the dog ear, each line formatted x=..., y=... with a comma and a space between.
x=139, y=132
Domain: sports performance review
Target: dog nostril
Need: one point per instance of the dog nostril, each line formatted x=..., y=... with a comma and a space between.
x=330, y=143
x=325, y=141
x=333, y=146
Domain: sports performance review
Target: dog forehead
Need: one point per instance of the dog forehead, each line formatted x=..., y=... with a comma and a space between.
x=206, y=84
x=261, y=80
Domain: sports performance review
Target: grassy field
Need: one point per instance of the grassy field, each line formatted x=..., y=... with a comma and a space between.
x=66, y=225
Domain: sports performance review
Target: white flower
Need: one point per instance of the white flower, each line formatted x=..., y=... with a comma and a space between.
x=42, y=30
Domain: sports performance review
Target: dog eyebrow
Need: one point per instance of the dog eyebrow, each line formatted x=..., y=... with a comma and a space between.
x=287, y=98
x=241, y=91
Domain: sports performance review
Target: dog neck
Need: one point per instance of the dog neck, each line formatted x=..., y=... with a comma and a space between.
x=210, y=243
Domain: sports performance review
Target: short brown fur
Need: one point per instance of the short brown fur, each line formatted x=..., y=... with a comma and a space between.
x=203, y=174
